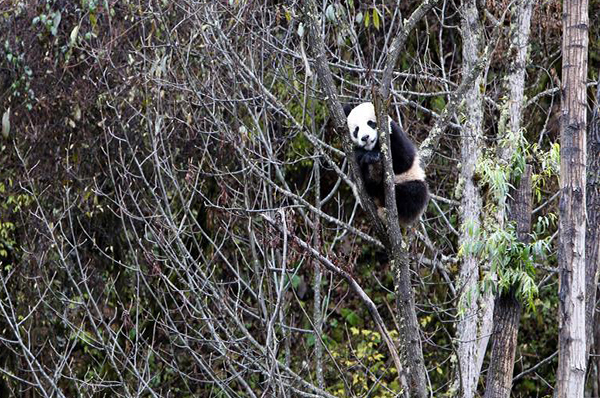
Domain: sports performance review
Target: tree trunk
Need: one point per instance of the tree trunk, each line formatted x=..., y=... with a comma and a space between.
x=507, y=314
x=592, y=238
x=507, y=311
x=318, y=276
x=409, y=363
x=472, y=340
x=592, y=241
x=570, y=376
x=596, y=331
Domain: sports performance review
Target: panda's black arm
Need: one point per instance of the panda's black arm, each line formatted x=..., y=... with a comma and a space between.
x=371, y=166
x=365, y=157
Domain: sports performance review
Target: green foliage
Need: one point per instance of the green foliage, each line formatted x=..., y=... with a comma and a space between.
x=546, y=224
x=438, y=104
x=376, y=22
x=21, y=86
x=7, y=241
x=474, y=245
x=366, y=360
x=512, y=261
x=351, y=317
x=549, y=169
x=50, y=20
x=497, y=174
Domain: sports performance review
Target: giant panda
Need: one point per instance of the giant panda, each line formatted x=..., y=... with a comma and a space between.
x=409, y=178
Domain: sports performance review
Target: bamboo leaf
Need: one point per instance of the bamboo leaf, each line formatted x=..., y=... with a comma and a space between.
x=376, y=18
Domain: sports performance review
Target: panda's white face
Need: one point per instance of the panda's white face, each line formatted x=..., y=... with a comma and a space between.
x=362, y=125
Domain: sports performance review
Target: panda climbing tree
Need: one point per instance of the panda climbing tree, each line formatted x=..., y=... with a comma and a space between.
x=409, y=178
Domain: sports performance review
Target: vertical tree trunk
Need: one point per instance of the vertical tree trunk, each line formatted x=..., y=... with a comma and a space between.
x=470, y=337
x=317, y=313
x=592, y=243
x=507, y=311
x=596, y=331
x=411, y=352
x=570, y=376
x=507, y=314
x=410, y=363
x=592, y=238
x=410, y=341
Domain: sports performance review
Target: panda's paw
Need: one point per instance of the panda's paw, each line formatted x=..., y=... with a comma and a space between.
x=371, y=157
x=373, y=173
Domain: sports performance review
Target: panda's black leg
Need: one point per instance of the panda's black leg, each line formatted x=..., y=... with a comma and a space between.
x=411, y=199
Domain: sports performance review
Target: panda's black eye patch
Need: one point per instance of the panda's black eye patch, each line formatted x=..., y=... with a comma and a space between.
x=356, y=132
x=372, y=124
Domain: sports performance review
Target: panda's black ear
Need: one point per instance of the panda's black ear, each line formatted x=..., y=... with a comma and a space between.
x=348, y=108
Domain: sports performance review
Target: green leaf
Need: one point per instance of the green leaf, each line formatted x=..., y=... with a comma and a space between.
x=55, y=23
x=367, y=20
x=350, y=316
x=376, y=18
x=438, y=104
x=93, y=20
x=295, y=281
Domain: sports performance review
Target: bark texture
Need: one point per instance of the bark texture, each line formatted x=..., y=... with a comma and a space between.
x=507, y=310
x=572, y=225
x=596, y=371
x=472, y=339
x=519, y=48
x=318, y=276
x=507, y=313
x=512, y=109
x=592, y=238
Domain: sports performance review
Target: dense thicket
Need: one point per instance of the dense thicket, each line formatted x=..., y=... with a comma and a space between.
x=174, y=198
